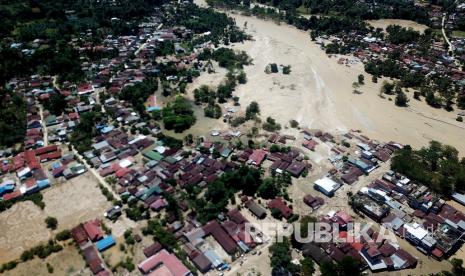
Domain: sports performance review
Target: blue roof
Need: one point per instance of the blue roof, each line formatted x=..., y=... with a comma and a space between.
x=213, y=258
x=6, y=189
x=153, y=108
x=107, y=129
x=42, y=184
x=105, y=243
x=56, y=165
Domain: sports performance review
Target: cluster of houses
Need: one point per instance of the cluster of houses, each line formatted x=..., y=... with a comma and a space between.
x=348, y=167
x=376, y=254
x=413, y=212
x=23, y=173
x=209, y=247
x=438, y=61
x=92, y=240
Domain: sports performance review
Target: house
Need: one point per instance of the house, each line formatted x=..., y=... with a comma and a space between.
x=257, y=157
x=85, y=88
x=373, y=258
x=278, y=203
x=79, y=235
x=93, y=230
x=201, y=261
x=163, y=263
x=93, y=259
x=326, y=186
x=415, y=233
x=221, y=236
x=256, y=209
x=152, y=249
x=296, y=168
x=44, y=150
x=105, y=243
x=310, y=144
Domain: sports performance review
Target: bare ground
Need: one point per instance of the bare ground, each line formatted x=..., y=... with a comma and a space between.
x=74, y=201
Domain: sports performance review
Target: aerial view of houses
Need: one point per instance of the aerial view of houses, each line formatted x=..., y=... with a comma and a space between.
x=151, y=138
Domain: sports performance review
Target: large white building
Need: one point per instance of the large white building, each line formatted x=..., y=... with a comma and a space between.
x=327, y=186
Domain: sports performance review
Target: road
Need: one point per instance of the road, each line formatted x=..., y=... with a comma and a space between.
x=451, y=47
x=100, y=179
x=44, y=126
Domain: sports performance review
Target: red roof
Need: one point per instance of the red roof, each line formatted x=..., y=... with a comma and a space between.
x=309, y=144
x=257, y=157
x=357, y=246
x=93, y=230
x=279, y=204
x=221, y=236
x=44, y=150
x=73, y=116
x=344, y=216
x=152, y=249
x=93, y=260
x=79, y=235
x=51, y=155
x=122, y=172
x=437, y=253
x=163, y=260
x=12, y=195
x=85, y=88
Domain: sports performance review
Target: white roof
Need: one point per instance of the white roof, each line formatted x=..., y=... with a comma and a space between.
x=327, y=184
x=160, y=149
x=416, y=230
x=404, y=181
x=23, y=172
x=125, y=163
x=137, y=138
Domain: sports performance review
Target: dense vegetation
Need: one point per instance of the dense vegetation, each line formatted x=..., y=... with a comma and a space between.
x=12, y=118
x=56, y=22
x=281, y=258
x=81, y=138
x=347, y=266
x=437, y=166
x=138, y=94
x=220, y=27
x=221, y=191
x=178, y=115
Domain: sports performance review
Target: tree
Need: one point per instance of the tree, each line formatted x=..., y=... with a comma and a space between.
x=432, y=100
x=252, y=110
x=349, y=266
x=63, y=235
x=401, y=99
x=51, y=222
x=328, y=269
x=280, y=258
x=178, y=115
x=268, y=189
x=56, y=104
x=12, y=117
x=387, y=88
x=294, y=123
x=361, y=79
x=457, y=267
x=242, y=77
x=308, y=267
